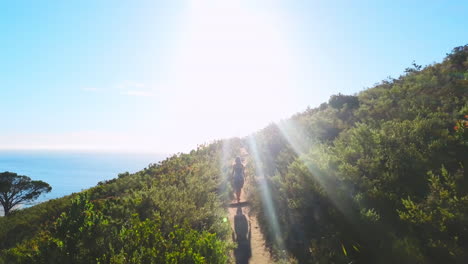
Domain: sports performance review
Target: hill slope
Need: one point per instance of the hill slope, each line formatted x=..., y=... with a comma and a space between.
x=170, y=212
x=380, y=177
x=373, y=178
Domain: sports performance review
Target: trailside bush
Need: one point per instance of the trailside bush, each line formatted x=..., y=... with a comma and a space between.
x=85, y=235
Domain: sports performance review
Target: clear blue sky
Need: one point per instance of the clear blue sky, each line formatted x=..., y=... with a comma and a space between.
x=164, y=76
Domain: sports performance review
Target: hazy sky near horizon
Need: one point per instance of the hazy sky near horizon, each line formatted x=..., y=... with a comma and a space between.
x=164, y=76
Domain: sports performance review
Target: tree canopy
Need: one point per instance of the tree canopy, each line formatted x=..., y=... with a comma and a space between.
x=18, y=189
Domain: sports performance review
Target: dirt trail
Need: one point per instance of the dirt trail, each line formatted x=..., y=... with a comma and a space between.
x=246, y=232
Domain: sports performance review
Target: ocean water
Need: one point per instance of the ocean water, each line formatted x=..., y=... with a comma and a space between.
x=69, y=172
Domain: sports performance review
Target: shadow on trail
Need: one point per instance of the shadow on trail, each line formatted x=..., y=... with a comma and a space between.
x=242, y=236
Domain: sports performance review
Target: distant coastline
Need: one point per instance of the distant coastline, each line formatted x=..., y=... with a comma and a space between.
x=69, y=171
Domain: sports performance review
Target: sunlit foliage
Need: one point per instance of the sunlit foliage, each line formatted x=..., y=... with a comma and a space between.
x=349, y=179
x=170, y=212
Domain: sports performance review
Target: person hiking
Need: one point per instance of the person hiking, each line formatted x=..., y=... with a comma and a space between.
x=238, y=173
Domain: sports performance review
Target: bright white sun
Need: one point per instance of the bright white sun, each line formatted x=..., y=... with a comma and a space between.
x=231, y=71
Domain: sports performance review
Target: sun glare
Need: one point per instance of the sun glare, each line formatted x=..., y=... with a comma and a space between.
x=231, y=69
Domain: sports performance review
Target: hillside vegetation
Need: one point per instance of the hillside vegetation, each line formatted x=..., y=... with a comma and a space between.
x=380, y=177
x=377, y=177
x=170, y=212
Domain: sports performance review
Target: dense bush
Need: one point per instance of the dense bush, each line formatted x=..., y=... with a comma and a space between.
x=348, y=181
x=84, y=234
x=170, y=212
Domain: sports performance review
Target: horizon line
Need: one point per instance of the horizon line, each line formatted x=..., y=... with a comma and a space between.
x=85, y=149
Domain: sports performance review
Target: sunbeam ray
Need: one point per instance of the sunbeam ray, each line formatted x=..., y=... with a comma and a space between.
x=295, y=136
x=266, y=198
